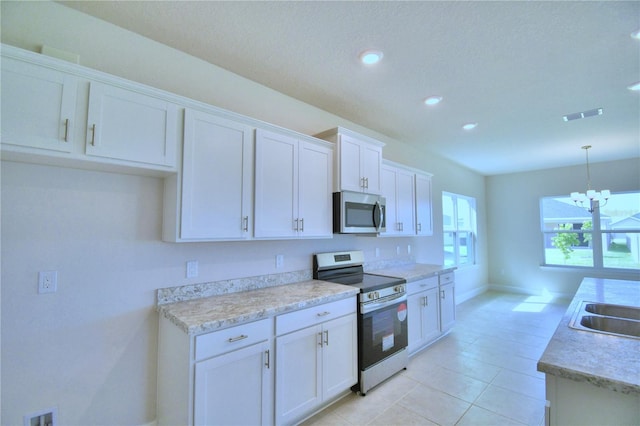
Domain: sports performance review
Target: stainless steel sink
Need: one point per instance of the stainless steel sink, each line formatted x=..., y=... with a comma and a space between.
x=612, y=325
x=617, y=311
x=606, y=318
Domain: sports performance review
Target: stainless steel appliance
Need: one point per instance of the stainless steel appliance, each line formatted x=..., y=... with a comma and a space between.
x=358, y=213
x=382, y=315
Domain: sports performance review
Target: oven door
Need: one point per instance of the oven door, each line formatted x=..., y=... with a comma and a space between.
x=383, y=330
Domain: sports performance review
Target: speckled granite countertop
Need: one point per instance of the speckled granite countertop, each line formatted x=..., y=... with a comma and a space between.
x=413, y=271
x=604, y=360
x=203, y=315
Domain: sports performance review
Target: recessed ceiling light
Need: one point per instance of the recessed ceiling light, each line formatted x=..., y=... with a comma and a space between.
x=433, y=100
x=635, y=86
x=470, y=126
x=370, y=57
x=636, y=34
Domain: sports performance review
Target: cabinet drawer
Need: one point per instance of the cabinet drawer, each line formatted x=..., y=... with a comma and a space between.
x=447, y=278
x=297, y=320
x=233, y=338
x=421, y=285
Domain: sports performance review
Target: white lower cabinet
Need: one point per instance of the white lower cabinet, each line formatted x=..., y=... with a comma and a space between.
x=447, y=302
x=219, y=378
x=432, y=309
x=424, y=316
x=316, y=358
x=235, y=388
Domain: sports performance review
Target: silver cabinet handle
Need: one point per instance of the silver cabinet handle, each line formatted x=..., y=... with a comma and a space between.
x=302, y=225
x=295, y=227
x=267, y=356
x=320, y=340
x=419, y=227
x=237, y=338
x=426, y=301
x=66, y=130
x=323, y=314
x=326, y=337
x=93, y=135
x=442, y=294
x=366, y=183
x=245, y=223
x=362, y=182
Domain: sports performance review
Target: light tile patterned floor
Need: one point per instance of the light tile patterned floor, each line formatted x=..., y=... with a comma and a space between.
x=482, y=373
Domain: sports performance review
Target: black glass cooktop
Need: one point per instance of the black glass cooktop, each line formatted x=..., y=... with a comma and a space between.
x=367, y=282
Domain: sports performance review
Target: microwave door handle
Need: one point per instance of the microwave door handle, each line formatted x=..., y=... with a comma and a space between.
x=377, y=215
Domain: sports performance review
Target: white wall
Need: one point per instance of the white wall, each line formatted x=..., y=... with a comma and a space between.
x=90, y=348
x=515, y=239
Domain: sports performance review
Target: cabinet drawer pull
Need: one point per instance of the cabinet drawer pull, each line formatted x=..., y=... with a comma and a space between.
x=302, y=225
x=326, y=337
x=93, y=135
x=237, y=338
x=245, y=223
x=295, y=227
x=323, y=314
x=267, y=362
x=66, y=130
x=320, y=339
x=419, y=227
x=442, y=294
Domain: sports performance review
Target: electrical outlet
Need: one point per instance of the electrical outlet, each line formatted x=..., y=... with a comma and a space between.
x=408, y=248
x=279, y=260
x=377, y=252
x=398, y=250
x=192, y=269
x=47, y=282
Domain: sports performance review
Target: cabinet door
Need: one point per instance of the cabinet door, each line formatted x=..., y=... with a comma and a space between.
x=314, y=192
x=216, y=178
x=340, y=355
x=415, y=304
x=388, y=186
x=131, y=126
x=424, y=321
x=234, y=389
x=447, y=306
x=405, y=202
x=298, y=366
x=371, y=158
x=38, y=106
x=424, y=218
x=276, y=185
x=350, y=173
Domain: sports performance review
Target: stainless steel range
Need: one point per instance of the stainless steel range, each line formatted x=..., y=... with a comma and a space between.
x=382, y=315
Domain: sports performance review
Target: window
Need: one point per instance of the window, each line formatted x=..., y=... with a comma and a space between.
x=608, y=238
x=459, y=229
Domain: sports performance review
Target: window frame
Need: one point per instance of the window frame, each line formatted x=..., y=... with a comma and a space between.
x=457, y=230
x=598, y=235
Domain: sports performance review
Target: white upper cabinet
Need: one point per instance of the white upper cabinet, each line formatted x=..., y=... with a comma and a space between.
x=398, y=189
x=58, y=113
x=358, y=161
x=215, y=195
x=424, y=215
x=38, y=106
x=293, y=180
x=126, y=125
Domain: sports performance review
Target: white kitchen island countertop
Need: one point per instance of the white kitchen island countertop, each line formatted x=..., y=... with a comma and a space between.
x=604, y=360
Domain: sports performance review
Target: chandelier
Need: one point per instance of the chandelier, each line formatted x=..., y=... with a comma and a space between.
x=592, y=196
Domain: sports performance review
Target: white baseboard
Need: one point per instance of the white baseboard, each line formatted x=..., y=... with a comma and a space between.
x=463, y=297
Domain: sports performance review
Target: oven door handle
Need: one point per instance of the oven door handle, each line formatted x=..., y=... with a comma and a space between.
x=365, y=308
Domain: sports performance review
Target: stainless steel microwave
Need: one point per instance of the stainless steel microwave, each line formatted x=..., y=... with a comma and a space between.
x=358, y=213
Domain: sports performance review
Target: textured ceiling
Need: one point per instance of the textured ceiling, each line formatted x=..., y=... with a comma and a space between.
x=514, y=67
